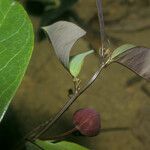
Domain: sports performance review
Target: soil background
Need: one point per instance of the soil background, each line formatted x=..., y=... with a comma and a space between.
x=120, y=96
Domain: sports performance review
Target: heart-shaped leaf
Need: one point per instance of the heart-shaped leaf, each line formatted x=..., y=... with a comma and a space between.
x=63, y=36
x=47, y=145
x=76, y=63
x=137, y=59
x=16, y=44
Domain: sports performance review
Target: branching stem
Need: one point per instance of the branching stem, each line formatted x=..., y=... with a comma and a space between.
x=40, y=130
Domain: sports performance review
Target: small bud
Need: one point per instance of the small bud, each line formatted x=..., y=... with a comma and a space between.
x=87, y=121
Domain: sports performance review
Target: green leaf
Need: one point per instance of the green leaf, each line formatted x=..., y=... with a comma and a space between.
x=63, y=145
x=76, y=63
x=46, y=145
x=16, y=44
x=71, y=146
x=120, y=50
x=31, y=146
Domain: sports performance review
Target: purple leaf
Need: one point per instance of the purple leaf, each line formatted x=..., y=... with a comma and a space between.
x=138, y=60
x=63, y=36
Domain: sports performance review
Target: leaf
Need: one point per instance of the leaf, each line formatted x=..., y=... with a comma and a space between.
x=63, y=36
x=138, y=60
x=120, y=50
x=16, y=44
x=76, y=63
x=44, y=145
x=47, y=145
x=71, y=146
x=31, y=146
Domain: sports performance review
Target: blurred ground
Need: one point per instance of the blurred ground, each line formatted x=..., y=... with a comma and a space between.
x=122, y=98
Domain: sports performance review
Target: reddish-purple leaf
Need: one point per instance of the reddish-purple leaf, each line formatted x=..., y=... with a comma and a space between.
x=63, y=36
x=138, y=60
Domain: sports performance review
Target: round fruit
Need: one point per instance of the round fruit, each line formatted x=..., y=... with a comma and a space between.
x=87, y=121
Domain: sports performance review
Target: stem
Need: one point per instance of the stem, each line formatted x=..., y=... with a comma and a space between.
x=45, y=126
x=40, y=130
x=76, y=82
x=104, y=40
x=61, y=136
x=101, y=24
x=103, y=130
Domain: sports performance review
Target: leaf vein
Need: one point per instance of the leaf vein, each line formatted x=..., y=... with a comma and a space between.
x=14, y=56
x=3, y=50
x=14, y=32
x=12, y=4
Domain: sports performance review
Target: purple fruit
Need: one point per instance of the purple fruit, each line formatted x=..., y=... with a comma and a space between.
x=87, y=121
